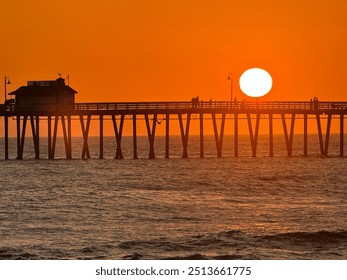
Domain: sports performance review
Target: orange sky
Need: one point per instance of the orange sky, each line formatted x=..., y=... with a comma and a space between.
x=171, y=50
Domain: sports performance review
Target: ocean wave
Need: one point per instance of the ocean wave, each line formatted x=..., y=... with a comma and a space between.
x=159, y=245
x=323, y=237
x=235, y=244
x=16, y=254
x=224, y=245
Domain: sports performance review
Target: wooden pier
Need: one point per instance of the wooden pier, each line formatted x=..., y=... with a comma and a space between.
x=184, y=112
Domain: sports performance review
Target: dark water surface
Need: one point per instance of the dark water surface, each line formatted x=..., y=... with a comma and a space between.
x=195, y=208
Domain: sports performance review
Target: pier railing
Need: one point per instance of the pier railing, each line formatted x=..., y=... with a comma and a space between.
x=271, y=105
x=113, y=107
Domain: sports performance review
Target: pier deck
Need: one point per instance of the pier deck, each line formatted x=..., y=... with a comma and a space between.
x=183, y=110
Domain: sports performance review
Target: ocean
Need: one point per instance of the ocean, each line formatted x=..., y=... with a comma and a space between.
x=194, y=208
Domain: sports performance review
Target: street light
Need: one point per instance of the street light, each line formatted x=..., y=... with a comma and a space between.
x=6, y=82
x=230, y=77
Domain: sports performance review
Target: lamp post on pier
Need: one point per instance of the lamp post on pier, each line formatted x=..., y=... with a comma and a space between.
x=230, y=77
x=6, y=82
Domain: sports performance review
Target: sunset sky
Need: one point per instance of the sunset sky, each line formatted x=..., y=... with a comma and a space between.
x=137, y=50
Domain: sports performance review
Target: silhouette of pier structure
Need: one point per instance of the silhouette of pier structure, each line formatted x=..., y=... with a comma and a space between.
x=171, y=111
x=32, y=106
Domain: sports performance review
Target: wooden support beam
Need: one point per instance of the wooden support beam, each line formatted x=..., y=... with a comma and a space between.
x=291, y=136
x=54, y=140
x=285, y=131
x=118, y=135
x=320, y=135
x=288, y=137
x=202, y=151
x=85, y=134
x=218, y=138
x=184, y=133
x=18, y=136
x=305, y=135
x=22, y=138
x=101, y=136
x=271, y=135
x=167, y=136
x=6, y=136
x=34, y=132
x=49, y=134
x=327, y=135
x=151, y=134
x=253, y=137
x=134, y=138
x=37, y=150
x=236, y=134
x=69, y=136
x=342, y=134
x=250, y=131
x=65, y=136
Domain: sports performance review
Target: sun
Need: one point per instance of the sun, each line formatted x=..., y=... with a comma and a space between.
x=255, y=82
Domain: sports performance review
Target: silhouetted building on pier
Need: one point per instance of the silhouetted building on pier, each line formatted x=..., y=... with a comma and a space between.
x=44, y=96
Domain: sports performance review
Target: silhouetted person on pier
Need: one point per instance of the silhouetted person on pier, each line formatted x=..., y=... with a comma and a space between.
x=315, y=103
x=195, y=102
x=311, y=104
x=210, y=102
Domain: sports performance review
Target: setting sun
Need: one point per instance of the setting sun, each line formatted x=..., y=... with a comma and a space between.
x=255, y=82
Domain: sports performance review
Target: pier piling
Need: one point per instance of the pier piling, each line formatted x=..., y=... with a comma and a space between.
x=201, y=119
x=271, y=136
x=101, y=136
x=341, y=135
x=6, y=136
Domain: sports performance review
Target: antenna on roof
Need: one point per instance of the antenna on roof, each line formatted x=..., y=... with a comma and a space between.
x=60, y=74
x=68, y=79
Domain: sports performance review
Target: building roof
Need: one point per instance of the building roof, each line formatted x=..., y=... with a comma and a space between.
x=44, y=87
